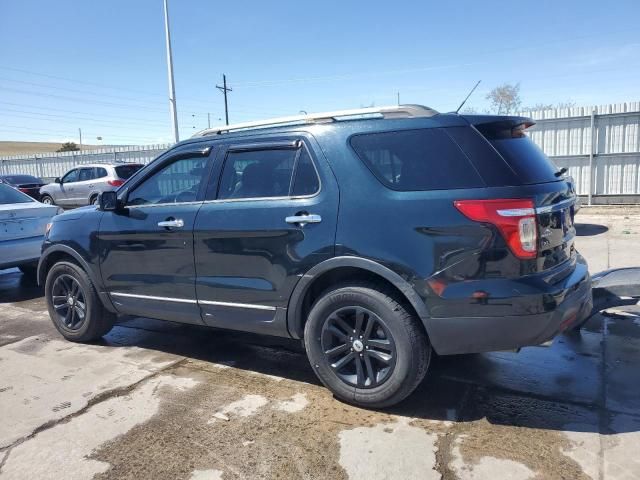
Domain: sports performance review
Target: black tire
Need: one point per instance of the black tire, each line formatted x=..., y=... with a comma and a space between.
x=93, y=200
x=96, y=322
x=407, y=350
x=30, y=271
x=47, y=200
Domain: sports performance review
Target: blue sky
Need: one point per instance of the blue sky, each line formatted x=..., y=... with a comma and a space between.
x=100, y=65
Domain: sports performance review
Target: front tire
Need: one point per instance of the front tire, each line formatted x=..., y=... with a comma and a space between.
x=74, y=305
x=366, y=346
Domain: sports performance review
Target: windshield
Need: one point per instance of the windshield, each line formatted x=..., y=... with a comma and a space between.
x=10, y=195
x=20, y=179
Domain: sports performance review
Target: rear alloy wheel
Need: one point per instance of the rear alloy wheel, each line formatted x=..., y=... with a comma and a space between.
x=73, y=304
x=365, y=345
x=47, y=200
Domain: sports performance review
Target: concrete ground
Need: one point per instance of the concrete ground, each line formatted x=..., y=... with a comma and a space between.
x=161, y=400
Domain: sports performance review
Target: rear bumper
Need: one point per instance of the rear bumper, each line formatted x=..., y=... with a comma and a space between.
x=572, y=302
x=14, y=253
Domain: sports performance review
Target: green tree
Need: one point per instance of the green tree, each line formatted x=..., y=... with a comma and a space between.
x=68, y=147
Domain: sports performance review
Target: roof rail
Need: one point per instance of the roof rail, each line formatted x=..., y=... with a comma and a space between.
x=395, y=111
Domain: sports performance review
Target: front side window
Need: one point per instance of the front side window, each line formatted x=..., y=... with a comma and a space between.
x=174, y=183
x=426, y=159
x=70, y=177
x=268, y=173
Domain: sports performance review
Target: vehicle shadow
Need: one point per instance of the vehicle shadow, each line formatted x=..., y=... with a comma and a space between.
x=16, y=287
x=590, y=229
x=554, y=388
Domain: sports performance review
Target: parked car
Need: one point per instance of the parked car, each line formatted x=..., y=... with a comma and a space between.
x=22, y=227
x=376, y=236
x=82, y=185
x=25, y=183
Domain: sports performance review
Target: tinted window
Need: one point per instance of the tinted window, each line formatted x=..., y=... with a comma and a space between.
x=257, y=173
x=11, y=195
x=21, y=179
x=85, y=174
x=72, y=176
x=125, y=171
x=526, y=159
x=306, y=181
x=99, y=172
x=416, y=160
x=177, y=182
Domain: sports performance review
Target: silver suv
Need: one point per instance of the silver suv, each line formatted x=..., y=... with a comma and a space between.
x=81, y=185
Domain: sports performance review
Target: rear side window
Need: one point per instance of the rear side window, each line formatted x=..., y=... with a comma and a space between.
x=268, y=173
x=126, y=171
x=99, y=172
x=426, y=159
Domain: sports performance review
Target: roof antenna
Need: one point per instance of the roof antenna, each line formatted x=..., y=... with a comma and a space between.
x=467, y=97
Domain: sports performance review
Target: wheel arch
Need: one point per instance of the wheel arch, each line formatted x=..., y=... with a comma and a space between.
x=317, y=278
x=59, y=252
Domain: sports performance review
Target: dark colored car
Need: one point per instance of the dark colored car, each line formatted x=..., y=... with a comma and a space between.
x=25, y=183
x=376, y=236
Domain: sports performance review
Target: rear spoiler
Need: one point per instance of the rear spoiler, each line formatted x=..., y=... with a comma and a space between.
x=495, y=127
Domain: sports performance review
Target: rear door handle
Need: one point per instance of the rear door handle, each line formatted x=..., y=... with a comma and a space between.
x=172, y=223
x=302, y=220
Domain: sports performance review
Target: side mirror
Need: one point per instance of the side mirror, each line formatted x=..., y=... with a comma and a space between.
x=58, y=180
x=108, y=201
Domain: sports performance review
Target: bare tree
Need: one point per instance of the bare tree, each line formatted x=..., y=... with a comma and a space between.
x=549, y=106
x=505, y=98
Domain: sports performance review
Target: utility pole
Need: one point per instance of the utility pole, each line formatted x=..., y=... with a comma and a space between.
x=172, y=90
x=80, y=134
x=208, y=120
x=398, y=94
x=224, y=89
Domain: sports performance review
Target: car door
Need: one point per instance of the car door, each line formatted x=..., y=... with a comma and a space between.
x=146, y=247
x=63, y=195
x=271, y=216
x=82, y=188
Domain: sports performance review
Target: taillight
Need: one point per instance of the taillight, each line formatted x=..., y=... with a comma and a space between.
x=115, y=183
x=514, y=218
x=24, y=190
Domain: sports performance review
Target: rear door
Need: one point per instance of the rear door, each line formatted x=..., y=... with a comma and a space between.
x=82, y=188
x=270, y=216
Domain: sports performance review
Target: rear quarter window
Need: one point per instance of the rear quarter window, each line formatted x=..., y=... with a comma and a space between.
x=409, y=160
x=126, y=171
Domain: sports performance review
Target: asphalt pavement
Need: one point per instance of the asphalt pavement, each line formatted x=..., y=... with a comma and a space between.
x=161, y=400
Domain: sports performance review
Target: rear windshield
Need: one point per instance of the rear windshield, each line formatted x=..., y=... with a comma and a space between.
x=10, y=195
x=425, y=159
x=125, y=171
x=21, y=179
x=526, y=159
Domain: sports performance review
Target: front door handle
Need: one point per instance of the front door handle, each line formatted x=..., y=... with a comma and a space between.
x=172, y=223
x=303, y=219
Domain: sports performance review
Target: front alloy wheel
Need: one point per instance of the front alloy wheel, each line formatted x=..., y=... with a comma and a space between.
x=69, y=302
x=358, y=346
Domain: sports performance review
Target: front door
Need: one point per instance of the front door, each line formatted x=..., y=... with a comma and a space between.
x=271, y=217
x=66, y=188
x=147, y=248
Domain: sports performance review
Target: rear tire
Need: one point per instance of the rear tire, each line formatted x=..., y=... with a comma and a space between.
x=47, y=200
x=74, y=305
x=393, y=353
x=93, y=200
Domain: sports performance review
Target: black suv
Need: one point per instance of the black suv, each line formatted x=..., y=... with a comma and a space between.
x=377, y=236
